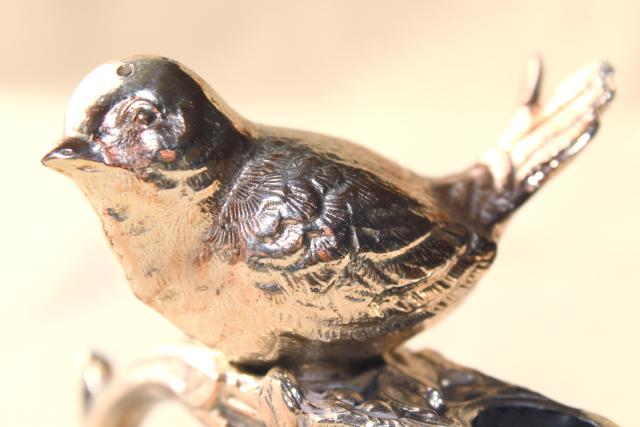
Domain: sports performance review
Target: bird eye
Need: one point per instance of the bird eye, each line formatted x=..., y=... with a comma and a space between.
x=144, y=117
x=137, y=112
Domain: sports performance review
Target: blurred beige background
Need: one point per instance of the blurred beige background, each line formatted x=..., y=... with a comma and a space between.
x=428, y=83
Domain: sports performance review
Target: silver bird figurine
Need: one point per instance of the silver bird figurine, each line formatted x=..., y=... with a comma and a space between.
x=282, y=246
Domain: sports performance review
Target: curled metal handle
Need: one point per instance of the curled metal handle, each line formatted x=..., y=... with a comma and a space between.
x=196, y=377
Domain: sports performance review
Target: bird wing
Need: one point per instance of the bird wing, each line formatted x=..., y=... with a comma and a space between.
x=324, y=225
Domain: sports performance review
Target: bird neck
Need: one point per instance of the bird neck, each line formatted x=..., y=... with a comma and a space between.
x=157, y=233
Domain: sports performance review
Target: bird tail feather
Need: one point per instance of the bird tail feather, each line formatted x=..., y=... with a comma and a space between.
x=543, y=137
x=540, y=140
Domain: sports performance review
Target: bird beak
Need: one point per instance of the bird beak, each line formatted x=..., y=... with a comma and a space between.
x=74, y=153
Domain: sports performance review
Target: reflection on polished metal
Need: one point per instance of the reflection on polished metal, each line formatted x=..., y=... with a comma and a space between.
x=292, y=249
x=405, y=389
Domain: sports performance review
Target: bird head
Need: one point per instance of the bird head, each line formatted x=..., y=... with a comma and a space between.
x=145, y=115
x=146, y=139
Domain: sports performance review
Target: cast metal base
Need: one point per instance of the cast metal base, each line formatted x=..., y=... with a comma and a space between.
x=404, y=389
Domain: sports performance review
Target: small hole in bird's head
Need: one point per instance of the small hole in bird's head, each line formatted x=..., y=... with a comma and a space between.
x=125, y=70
